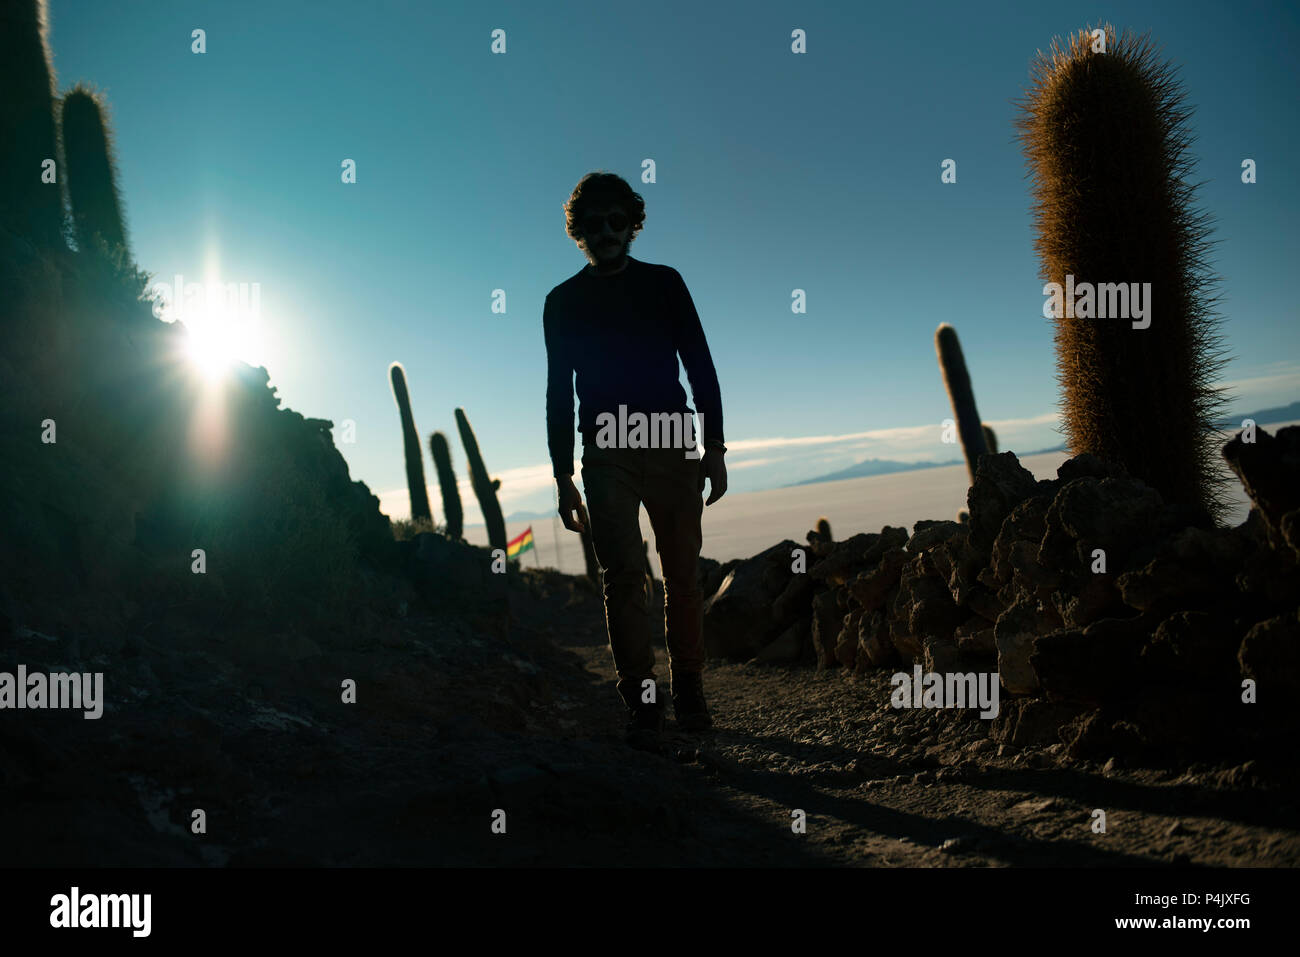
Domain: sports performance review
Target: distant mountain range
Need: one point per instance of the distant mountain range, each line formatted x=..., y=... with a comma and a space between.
x=523, y=516
x=871, y=467
x=886, y=466
x=1283, y=413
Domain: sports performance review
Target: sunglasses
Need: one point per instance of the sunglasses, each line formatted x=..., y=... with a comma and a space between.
x=593, y=224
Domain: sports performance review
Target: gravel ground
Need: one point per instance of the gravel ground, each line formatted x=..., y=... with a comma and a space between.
x=881, y=786
x=481, y=739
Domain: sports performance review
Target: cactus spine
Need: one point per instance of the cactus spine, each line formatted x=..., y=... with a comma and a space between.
x=957, y=381
x=485, y=489
x=1106, y=138
x=451, y=506
x=31, y=204
x=90, y=173
x=411, y=443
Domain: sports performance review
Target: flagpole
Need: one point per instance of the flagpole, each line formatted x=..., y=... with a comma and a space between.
x=555, y=527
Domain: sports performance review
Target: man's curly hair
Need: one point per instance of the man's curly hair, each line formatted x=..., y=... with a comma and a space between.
x=602, y=189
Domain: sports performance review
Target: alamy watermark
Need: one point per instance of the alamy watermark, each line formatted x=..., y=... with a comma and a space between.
x=1107, y=300
x=55, y=690
x=76, y=909
x=653, y=430
x=949, y=690
x=172, y=300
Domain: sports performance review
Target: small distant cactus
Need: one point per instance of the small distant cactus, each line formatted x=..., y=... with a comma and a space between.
x=990, y=440
x=824, y=529
x=485, y=489
x=411, y=443
x=1106, y=137
x=451, y=506
x=91, y=176
x=957, y=381
x=28, y=132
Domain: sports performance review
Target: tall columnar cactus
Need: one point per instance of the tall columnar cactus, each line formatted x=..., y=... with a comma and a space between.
x=957, y=381
x=91, y=175
x=824, y=529
x=1106, y=137
x=990, y=439
x=411, y=443
x=451, y=506
x=485, y=489
x=29, y=206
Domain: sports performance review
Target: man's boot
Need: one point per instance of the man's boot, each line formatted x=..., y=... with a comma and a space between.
x=688, y=702
x=645, y=726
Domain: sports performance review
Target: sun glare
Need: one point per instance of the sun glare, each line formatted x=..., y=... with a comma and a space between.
x=217, y=340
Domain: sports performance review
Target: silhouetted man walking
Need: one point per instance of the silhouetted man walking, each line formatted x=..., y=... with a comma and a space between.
x=619, y=324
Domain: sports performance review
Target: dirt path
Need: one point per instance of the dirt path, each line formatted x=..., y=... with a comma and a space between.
x=885, y=787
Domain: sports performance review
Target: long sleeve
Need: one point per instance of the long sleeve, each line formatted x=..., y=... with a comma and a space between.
x=694, y=350
x=559, y=394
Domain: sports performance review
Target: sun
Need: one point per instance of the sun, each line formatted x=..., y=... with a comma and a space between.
x=217, y=340
x=210, y=349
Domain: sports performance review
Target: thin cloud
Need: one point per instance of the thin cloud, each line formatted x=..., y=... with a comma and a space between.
x=900, y=440
x=1282, y=376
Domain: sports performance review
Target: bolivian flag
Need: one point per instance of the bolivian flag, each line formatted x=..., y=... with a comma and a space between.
x=517, y=546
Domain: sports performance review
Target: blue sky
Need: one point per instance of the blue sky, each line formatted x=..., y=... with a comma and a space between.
x=774, y=171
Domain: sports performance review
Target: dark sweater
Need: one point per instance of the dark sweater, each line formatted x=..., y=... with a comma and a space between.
x=622, y=334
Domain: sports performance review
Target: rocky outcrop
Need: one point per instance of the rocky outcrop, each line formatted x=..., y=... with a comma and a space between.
x=1269, y=469
x=143, y=463
x=738, y=619
x=1088, y=593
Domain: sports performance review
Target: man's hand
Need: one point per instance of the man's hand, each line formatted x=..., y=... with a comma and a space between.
x=712, y=467
x=571, y=501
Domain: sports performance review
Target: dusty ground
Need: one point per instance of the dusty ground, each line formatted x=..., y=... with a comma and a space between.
x=885, y=787
x=459, y=716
